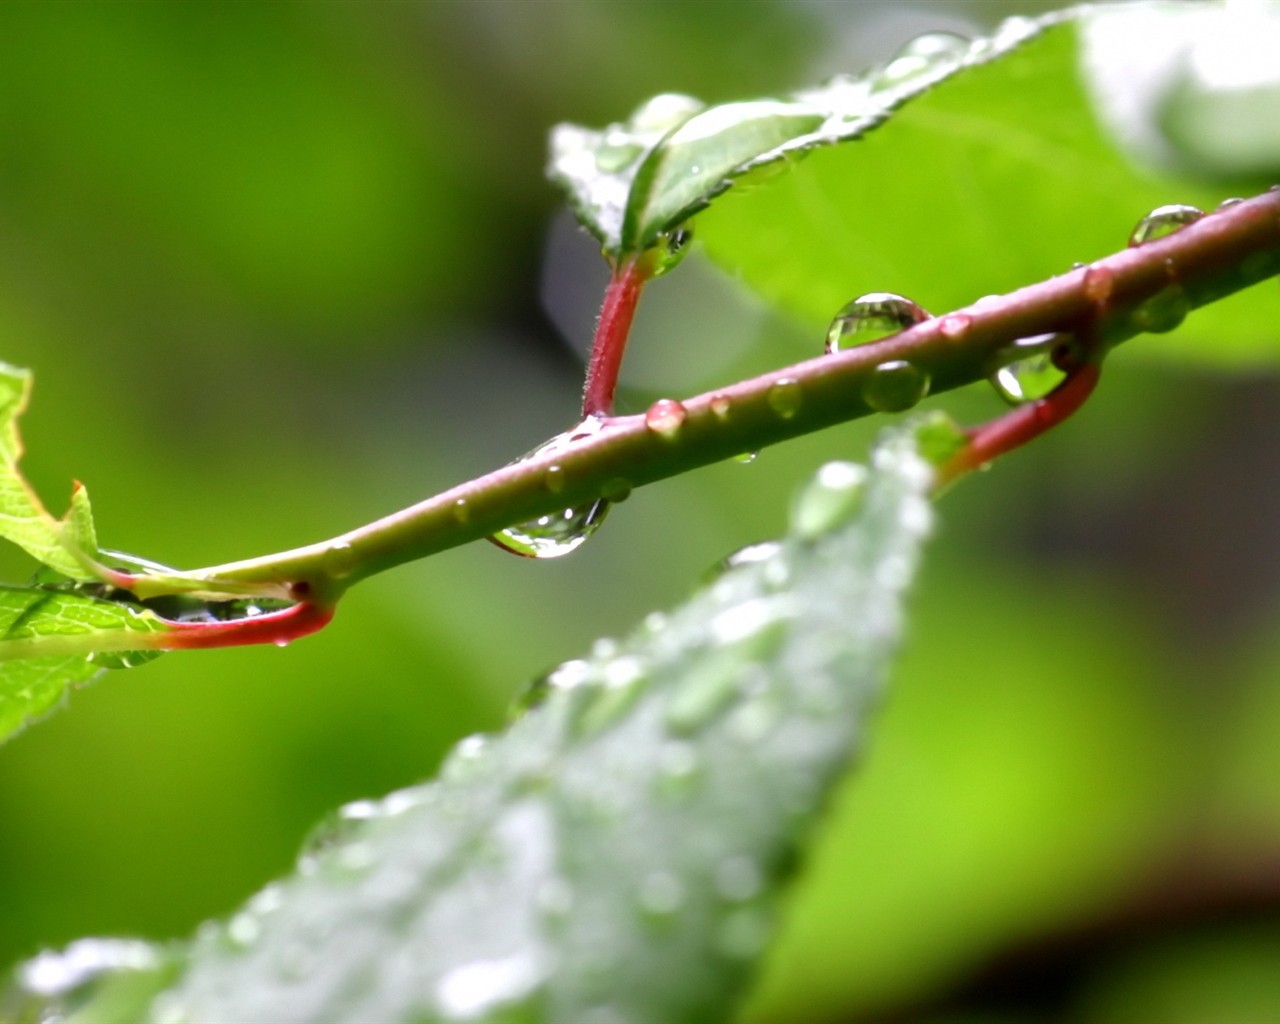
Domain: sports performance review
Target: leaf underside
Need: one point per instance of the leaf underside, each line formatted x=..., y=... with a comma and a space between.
x=619, y=851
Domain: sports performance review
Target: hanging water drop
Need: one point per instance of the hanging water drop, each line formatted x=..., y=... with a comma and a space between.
x=785, y=397
x=1162, y=221
x=557, y=533
x=1030, y=368
x=670, y=249
x=895, y=386
x=665, y=418
x=871, y=317
x=922, y=57
x=1162, y=312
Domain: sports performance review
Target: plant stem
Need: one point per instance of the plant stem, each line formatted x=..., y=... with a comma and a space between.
x=616, y=313
x=1218, y=255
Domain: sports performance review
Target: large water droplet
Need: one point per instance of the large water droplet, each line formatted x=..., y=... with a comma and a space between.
x=1030, y=369
x=665, y=418
x=832, y=497
x=556, y=533
x=1162, y=312
x=895, y=386
x=923, y=56
x=871, y=317
x=670, y=249
x=785, y=397
x=1162, y=221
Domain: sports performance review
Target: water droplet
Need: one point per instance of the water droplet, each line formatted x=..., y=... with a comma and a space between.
x=1226, y=204
x=743, y=933
x=720, y=406
x=122, y=659
x=670, y=249
x=461, y=511
x=1162, y=221
x=1099, y=282
x=72, y=973
x=679, y=770
x=738, y=878
x=282, y=642
x=554, y=479
x=665, y=418
x=556, y=533
x=954, y=326
x=1162, y=312
x=478, y=988
x=831, y=498
x=623, y=680
x=921, y=58
x=661, y=897
x=243, y=930
x=465, y=756
x=752, y=554
x=1029, y=368
x=568, y=676
x=339, y=561
x=895, y=386
x=659, y=114
x=785, y=397
x=746, y=458
x=871, y=317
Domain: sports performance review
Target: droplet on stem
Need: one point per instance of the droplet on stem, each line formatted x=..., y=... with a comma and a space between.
x=871, y=317
x=1030, y=368
x=785, y=397
x=895, y=386
x=557, y=533
x=665, y=418
x=1162, y=221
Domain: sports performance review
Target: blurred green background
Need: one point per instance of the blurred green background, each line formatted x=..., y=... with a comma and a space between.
x=284, y=268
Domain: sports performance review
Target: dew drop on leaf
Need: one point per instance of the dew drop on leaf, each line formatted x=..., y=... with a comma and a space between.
x=785, y=397
x=895, y=386
x=832, y=497
x=871, y=317
x=924, y=55
x=1162, y=221
x=660, y=898
x=746, y=458
x=568, y=676
x=665, y=418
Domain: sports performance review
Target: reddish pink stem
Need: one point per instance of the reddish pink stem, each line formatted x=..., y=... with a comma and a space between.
x=1026, y=423
x=270, y=628
x=616, y=314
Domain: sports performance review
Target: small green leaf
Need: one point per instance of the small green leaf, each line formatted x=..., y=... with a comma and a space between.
x=23, y=519
x=638, y=179
x=52, y=640
x=620, y=851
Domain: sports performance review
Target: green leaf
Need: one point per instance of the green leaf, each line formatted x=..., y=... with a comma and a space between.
x=52, y=640
x=636, y=180
x=23, y=519
x=620, y=850
x=988, y=168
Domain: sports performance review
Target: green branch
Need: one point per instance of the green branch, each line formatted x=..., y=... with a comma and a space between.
x=1145, y=289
